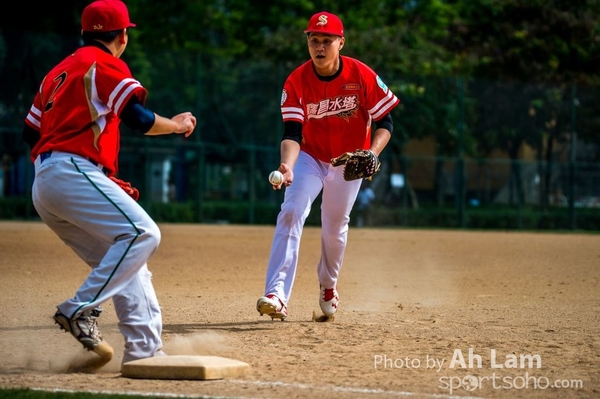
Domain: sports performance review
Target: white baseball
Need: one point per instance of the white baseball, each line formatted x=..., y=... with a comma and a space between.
x=275, y=178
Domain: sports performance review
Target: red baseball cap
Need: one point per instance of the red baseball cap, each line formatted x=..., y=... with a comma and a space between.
x=327, y=23
x=105, y=16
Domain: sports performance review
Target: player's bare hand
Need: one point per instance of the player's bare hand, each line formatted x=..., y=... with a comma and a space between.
x=186, y=123
x=288, y=175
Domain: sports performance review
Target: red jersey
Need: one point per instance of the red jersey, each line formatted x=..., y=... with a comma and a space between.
x=77, y=107
x=336, y=115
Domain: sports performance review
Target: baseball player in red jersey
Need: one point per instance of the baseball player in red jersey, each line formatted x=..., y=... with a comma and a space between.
x=73, y=130
x=329, y=105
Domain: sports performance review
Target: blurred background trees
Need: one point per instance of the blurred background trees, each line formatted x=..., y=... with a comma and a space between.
x=476, y=77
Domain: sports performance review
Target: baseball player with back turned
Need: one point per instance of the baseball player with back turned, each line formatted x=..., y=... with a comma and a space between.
x=73, y=130
x=328, y=106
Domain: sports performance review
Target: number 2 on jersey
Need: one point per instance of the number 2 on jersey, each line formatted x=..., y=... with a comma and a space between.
x=58, y=81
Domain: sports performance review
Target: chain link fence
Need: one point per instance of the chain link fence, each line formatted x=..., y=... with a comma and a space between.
x=465, y=153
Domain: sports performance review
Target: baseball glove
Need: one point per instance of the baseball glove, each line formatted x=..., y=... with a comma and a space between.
x=360, y=164
x=127, y=187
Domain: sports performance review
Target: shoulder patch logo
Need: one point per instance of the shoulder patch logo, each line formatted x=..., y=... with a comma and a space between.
x=381, y=84
x=283, y=96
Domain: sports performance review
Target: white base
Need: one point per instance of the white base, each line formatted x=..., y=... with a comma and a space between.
x=184, y=368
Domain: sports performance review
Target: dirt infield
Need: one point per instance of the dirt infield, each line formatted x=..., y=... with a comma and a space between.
x=425, y=314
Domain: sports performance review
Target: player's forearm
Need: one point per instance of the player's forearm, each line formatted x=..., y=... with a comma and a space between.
x=162, y=126
x=141, y=119
x=289, y=150
x=381, y=137
x=183, y=123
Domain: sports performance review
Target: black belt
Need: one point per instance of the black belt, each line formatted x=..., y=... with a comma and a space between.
x=47, y=154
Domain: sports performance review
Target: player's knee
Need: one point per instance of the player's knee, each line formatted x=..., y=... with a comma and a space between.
x=150, y=235
x=290, y=216
x=154, y=235
x=335, y=226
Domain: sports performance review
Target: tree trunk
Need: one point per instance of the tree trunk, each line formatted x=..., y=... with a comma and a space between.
x=542, y=189
x=516, y=192
x=438, y=179
x=548, y=172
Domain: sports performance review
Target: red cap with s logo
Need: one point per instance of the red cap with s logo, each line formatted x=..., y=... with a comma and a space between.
x=326, y=23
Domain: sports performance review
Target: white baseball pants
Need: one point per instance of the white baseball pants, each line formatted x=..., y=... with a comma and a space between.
x=311, y=176
x=113, y=234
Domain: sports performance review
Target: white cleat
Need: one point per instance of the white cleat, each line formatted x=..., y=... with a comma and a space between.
x=272, y=306
x=329, y=301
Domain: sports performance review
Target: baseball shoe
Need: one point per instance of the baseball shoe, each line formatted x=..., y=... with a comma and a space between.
x=329, y=300
x=272, y=306
x=84, y=328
